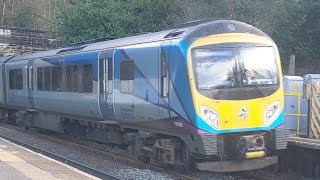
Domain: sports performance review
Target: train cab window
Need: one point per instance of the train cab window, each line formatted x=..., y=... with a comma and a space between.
x=87, y=78
x=72, y=78
x=127, y=76
x=16, y=79
x=56, y=78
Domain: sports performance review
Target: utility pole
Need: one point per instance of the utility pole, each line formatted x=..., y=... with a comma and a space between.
x=292, y=65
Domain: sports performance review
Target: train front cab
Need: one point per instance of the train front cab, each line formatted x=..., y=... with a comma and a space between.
x=236, y=85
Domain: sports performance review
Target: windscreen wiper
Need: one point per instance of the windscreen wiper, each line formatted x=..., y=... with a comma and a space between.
x=248, y=74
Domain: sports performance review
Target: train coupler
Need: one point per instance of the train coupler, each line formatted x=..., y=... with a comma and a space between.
x=252, y=146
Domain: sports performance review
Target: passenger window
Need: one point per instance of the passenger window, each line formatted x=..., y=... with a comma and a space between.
x=39, y=78
x=16, y=79
x=47, y=79
x=43, y=79
x=127, y=76
x=56, y=78
x=87, y=78
x=72, y=78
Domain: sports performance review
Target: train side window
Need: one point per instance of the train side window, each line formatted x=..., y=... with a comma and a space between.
x=46, y=79
x=110, y=74
x=12, y=79
x=127, y=76
x=87, y=77
x=39, y=78
x=72, y=78
x=16, y=79
x=56, y=78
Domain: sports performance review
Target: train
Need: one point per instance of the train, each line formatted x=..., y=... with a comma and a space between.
x=206, y=95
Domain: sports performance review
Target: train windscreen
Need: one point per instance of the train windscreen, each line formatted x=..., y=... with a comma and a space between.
x=235, y=73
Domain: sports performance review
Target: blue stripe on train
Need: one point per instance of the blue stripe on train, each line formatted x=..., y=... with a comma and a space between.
x=201, y=124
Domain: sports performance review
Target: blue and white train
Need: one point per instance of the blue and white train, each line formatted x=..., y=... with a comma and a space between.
x=207, y=95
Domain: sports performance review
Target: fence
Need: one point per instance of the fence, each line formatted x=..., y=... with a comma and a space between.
x=314, y=118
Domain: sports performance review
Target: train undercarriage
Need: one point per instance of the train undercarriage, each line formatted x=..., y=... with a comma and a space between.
x=209, y=152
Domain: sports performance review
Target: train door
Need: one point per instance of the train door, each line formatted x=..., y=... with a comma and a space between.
x=30, y=85
x=137, y=86
x=164, y=79
x=125, y=106
x=17, y=83
x=106, y=97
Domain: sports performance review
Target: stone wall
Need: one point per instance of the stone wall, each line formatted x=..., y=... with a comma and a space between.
x=15, y=41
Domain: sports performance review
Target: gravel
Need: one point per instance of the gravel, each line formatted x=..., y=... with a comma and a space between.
x=120, y=168
x=98, y=160
x=84, y=156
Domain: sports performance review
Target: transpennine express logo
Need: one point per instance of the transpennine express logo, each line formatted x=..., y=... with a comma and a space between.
x=244, y=113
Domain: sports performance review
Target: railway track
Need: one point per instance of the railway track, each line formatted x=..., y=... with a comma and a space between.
x=64, y=139
x=83, y=167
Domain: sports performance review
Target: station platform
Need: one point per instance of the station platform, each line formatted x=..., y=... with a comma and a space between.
x=17, y=162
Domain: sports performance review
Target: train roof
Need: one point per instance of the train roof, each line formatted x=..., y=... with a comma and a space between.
x=140, y=39
x=185, y=32
x=4, y=59
x=195, y=31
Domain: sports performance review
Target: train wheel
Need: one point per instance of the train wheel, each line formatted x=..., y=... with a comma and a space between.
x=185, y=156
x=137, y=148
x=185, y=165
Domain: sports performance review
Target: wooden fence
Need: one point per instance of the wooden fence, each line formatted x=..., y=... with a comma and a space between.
x=314, y=116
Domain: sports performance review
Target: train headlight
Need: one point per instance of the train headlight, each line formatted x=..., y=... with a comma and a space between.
x=271, y=113
x=210, y=117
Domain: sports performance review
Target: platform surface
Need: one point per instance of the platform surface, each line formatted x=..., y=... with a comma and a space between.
x=17, y=162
